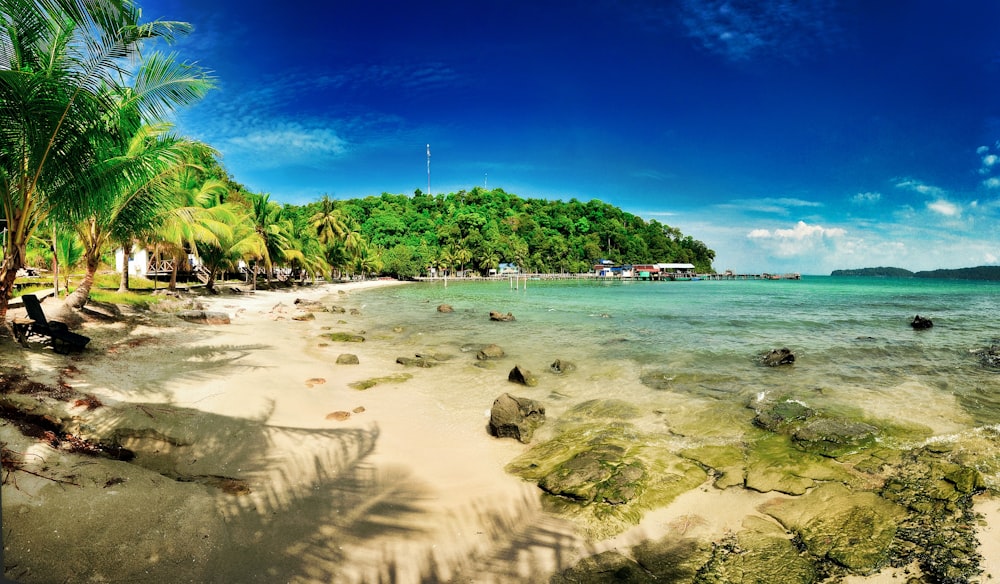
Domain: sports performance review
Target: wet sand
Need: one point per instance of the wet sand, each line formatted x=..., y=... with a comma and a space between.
x=255, y=460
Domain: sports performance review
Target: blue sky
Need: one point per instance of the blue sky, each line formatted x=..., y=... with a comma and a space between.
x=787, y=135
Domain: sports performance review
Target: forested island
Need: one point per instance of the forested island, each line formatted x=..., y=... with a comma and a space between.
x=976, y=273
x=479, y=229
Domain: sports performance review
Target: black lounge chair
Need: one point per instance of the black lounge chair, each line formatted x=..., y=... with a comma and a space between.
x=51, y=332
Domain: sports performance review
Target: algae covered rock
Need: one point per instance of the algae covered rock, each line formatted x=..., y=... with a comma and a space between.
x=346, y=337
x=774, y=463
x=600, y=474
x=938, y=532
x=670, y=559
x=760, y=553
x=814, y=431
x=609, y=566
x=606, y=475
x=853, y=529
x=728, y=463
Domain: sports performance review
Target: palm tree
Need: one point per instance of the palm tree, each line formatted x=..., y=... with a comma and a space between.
x=239, y=241
x=61, y=67
x=328, y=222
x=132, y=210
x=196, y=213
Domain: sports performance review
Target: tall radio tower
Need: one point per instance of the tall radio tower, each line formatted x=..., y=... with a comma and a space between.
x=428, y=169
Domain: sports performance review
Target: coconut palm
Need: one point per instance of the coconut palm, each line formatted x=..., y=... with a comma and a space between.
x=239, y=241
x=328, y=222
x=61, y=67
x=133, y=209
x=196, y=214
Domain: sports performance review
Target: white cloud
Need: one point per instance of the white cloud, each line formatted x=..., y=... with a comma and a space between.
x=982, y=150
x=801, y=240
x=285, y=143
x=775, y=205
x=920, y=187
x=946, y=208
x=990, y=160
x=868, y=198
x=992, y=183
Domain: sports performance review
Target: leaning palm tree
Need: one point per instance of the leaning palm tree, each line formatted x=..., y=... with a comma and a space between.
x=61, y=63
x=134, y=208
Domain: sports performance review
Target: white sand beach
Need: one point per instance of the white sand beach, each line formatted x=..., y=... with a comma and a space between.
x=256, y=461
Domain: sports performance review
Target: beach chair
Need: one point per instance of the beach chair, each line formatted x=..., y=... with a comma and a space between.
x=51, y=332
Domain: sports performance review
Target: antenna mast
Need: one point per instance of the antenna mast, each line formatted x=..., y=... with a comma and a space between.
x=428, y=169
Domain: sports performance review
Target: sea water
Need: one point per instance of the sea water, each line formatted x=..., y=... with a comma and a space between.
x=688, y=352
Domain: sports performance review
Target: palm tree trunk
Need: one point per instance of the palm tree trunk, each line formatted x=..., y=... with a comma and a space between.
x=55, y=262
x=78, y=299
x=123, y=282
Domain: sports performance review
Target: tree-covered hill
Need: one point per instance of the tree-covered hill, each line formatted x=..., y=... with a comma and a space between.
x=976, y=273
x=479, y=229
x=884, y=272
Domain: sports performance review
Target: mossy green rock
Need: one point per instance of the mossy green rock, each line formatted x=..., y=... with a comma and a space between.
x=370, y=383
x=346, y=337
x=814, y=431
x=606, y=475
x=761, y=553
x=774, y=463
x=728, y=463
x=853, y=529
x=602, y=568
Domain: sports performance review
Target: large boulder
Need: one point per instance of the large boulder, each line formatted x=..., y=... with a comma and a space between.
x=776, y=357
x=309, y=305
x=204, y=316
x=920, y=323
x=446, y=308
x=515, y=417
x=816, y=432
x=521, y=375
x=490, y=352
x=500, y=317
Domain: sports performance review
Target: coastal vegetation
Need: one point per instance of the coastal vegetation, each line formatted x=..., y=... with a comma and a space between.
x=990, y=273
x=89, y=163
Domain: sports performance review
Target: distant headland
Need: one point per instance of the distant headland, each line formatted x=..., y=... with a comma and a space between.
x=977, y=273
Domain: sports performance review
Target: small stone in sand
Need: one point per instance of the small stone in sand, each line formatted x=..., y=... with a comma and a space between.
x=347, y=359
x=359, y=409
x=339, y=415
x=315, y=381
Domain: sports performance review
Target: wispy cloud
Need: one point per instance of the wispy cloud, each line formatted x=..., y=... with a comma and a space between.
x=652, y=174
x=744, y=29
x=919, y=187
x=770, y=205
x=286, y=143
x=868, y=198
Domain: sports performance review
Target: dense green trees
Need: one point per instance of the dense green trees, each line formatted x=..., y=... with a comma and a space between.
x=479, y=229
x=70, y=103
x=84, y=149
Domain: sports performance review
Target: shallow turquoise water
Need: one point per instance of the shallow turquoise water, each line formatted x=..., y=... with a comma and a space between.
x=854, y=346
